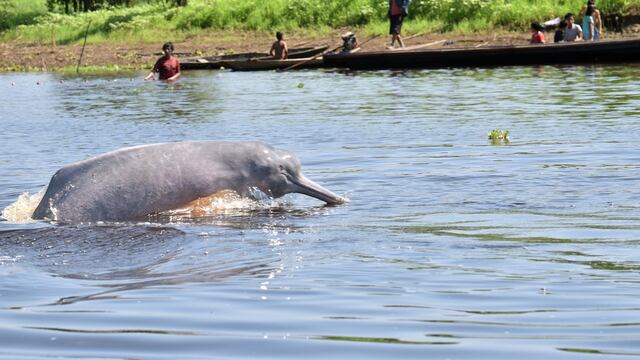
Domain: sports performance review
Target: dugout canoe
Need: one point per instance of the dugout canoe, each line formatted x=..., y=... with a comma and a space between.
x=585, y=52
x=271, y=64
x=216, y=62
x=213, y=62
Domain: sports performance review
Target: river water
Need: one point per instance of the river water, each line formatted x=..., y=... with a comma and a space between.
x=451, y=247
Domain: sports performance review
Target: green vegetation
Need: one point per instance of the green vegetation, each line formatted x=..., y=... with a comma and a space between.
x=119, y=24
x=100, y=69
x=499, y=137
x=95, y=70
x=386, y=340
x=69, y=6
x=157, y=20
x=20, y=12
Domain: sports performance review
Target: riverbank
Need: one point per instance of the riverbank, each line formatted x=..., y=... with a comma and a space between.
x=34, y=37
x=106, y=57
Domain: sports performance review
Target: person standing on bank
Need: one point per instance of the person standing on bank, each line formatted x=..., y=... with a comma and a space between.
x=398, y=10
x=597, y=34
x=167, y=66
x=594, y=17
x=588, y=24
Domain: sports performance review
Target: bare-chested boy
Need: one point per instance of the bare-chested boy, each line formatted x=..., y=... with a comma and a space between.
x=279, y=49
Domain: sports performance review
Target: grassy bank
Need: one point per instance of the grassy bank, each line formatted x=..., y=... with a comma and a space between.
x=29, y=21
x=20, y=12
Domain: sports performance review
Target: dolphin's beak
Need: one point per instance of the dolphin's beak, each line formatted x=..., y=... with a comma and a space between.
x=308, y=187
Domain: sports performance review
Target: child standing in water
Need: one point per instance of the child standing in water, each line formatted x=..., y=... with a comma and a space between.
x=279, y=49
x=167, y=66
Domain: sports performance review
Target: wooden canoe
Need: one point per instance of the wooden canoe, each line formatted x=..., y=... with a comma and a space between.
x=216, y=62
x=271, y=64
x=536, y=54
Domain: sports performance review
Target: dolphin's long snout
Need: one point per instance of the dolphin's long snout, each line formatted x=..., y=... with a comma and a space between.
x=311, y=188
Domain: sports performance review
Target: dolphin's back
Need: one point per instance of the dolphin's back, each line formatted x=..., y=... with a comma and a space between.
x=136, y=181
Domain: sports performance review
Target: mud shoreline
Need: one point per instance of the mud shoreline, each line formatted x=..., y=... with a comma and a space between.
x=18, y=56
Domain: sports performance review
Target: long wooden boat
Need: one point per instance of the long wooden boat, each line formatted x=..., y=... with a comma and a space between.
x=271, y=64
x=216, y=62
x=535, y=54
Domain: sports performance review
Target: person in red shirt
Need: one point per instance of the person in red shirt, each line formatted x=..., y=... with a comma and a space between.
x=168, y=66
x=537, y=35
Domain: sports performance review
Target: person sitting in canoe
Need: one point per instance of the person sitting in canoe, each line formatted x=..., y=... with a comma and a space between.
x=167, y=66
x=537, y=36
x=573, y=32
x=559, y=35
x=349, y=42
x=279, y=49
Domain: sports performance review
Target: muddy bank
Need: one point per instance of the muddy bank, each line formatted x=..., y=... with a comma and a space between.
x=19, y=56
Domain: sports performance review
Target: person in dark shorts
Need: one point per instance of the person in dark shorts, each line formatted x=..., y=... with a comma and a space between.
x=398, y=10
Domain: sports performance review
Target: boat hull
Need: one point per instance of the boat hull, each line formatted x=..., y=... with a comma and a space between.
x=216, y=62
x=562, y=53
x=258, y=65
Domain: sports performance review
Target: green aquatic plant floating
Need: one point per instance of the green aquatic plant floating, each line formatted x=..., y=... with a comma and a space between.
x=300, y=85
x=498, y=136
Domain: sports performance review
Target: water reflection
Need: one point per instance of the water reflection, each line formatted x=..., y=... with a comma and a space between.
x=449, y=243
x=136, y=101
x=126, y=258
x=94, y=252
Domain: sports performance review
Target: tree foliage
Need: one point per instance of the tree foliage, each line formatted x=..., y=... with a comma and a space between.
x=5, y=9
x=69, y=6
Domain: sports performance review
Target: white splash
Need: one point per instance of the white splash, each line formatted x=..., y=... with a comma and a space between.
x=21, y=210
x=221, y=203
x=8, y=259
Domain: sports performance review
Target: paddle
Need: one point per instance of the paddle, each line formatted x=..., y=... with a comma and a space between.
x=369, y=39
x=316, y=56
x=414, y=36
x=415, y=47
x=86, y=32
x=308, y=60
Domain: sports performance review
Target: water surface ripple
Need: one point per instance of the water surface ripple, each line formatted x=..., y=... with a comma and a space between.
x=451, y=247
